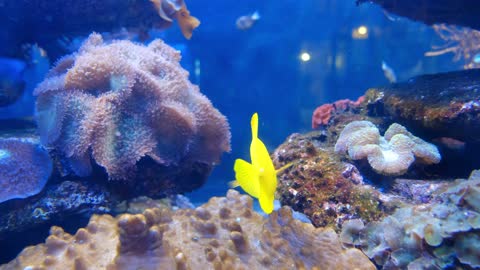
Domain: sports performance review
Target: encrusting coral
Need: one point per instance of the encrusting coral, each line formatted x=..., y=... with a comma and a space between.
x=24, y=168
x=391, y=154
x=118, y=103
x=225, y=234
x=439, y=234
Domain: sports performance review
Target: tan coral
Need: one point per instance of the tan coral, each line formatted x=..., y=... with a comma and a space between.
x=120, y=102
x=225, y=234
x=391, y=154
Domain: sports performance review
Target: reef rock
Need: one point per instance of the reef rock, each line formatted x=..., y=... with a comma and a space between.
x=444, y=104
x=125, y=106
x=320, y=185
x=225, y=233
x=460, y=12
x=391, y=154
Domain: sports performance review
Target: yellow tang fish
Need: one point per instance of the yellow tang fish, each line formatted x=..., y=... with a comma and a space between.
x=258, y=179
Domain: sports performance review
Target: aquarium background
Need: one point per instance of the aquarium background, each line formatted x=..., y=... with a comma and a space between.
x=260, y=69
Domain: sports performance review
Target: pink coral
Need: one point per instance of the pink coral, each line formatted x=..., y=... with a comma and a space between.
x=120, y=102
x=322, y=114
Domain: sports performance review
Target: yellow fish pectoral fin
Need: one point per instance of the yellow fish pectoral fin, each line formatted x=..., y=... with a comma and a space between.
x=266, y=202
x=247, y=177
x=284, y=167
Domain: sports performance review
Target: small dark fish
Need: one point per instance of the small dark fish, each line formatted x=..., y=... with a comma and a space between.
x=247, y=21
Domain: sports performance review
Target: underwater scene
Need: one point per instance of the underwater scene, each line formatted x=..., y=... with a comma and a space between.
x=254, y=134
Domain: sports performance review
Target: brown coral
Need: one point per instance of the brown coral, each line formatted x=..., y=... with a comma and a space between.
x=225, y=233
x=389, y=155
x=121, y=102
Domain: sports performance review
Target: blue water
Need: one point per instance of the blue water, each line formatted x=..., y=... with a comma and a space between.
x=260, y=69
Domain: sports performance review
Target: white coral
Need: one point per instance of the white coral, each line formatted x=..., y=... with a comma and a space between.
x=389, y=155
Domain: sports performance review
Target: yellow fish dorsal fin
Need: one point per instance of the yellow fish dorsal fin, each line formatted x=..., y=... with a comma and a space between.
x=254, y=124
x=246, y=176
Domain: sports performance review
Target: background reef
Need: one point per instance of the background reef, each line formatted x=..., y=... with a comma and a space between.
x=125, y=119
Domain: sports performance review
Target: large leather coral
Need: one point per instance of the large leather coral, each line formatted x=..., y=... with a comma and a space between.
x=122, y=101
x=225, y=233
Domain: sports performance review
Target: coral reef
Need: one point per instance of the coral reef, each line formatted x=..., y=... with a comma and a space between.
x=438, y=234
x=319, y=185
x=223, y=234
x=322, y=115
x=24, y=168
x=122, y=103
x=464, y=43
x=389, y=155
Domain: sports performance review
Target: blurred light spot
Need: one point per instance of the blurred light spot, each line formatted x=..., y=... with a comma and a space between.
x=305, y=57
x=360, y=32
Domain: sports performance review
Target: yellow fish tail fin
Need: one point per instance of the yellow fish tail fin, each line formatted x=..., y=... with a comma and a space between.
x=254, y=124
x=266, y=202
x=247, y=177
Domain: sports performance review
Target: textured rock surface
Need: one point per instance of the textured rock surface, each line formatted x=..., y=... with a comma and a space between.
x=223, y=234
x=56, y=203
x=319, y=185
x=460, y=12
x=445, y=104
x=122, y=104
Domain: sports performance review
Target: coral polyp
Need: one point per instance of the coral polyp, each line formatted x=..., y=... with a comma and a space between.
x=118, y=103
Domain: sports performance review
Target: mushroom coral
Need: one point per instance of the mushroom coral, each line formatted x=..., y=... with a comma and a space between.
x=120, y=102
x=391, y=154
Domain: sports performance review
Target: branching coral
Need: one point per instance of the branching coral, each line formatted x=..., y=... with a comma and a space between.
x=225, y=233
x=389, y=155
x=120, y=102
x=24, y=168
x=463, y=42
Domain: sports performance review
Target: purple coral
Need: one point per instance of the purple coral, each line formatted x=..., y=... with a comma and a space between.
x=24, y=168
x=120, y=102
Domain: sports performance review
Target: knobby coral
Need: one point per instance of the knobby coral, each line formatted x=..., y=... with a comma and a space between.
x=436, y=235
x=391, y=154
x=24, y=168
x=225, y=233
x=120, y=102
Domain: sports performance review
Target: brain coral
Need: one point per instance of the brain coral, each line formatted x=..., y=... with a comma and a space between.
x=391, y=154
x=225, y=234
x=24, y=168
x=120, y=102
